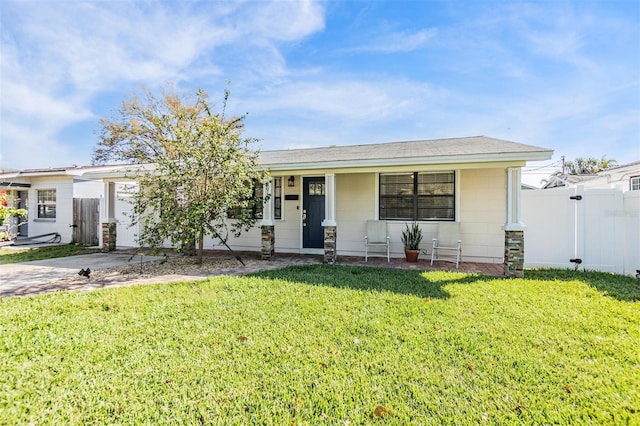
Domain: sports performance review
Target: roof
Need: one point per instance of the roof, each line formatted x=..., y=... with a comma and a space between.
x=452, y=150
x=421, y=152
x=632, y=165
x=563, y=180
x=612, y=174
x=59, y=171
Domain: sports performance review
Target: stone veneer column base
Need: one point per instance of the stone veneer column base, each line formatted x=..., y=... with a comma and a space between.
x=267, y=250
x=108, y=236
x=330, y=244
x=514, y=254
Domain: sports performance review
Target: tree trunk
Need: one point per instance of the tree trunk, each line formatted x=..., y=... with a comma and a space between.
x=200, y=246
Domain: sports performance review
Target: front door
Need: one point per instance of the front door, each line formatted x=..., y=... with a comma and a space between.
x=312, y=212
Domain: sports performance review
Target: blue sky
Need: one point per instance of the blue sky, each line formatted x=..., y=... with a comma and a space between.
x=563, y=75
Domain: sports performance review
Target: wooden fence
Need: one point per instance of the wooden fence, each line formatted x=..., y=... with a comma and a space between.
x=86, y=212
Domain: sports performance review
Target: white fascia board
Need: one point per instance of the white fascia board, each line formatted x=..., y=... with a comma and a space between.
x=116, y=172
x=43, y=174
x=12, y=175
x=382, y=162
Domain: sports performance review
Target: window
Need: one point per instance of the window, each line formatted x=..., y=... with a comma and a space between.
x=47, y=204
x=417, y=196
x=254, y=205
x=634, y=183
x=277, y=198
x=315, y=188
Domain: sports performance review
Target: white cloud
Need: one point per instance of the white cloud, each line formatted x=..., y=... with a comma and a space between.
x=57, y=58
x=347, y=99
x=525, y=72
x=28, y=103
x=401, y=41
x=282, y=20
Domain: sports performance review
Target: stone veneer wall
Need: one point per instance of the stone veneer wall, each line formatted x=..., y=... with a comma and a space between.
x=330, y=233
x=267, y=250
x=514, y=254
x=108, y=236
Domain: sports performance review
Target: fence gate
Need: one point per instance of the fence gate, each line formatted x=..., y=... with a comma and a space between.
x=86, y=212
x=576, y=226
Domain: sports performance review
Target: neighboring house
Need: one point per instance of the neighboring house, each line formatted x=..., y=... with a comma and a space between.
x=48, y=196
x=627, y=175
x=321, y=198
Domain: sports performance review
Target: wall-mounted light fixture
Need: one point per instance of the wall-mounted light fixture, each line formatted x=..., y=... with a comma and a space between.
x=291, y=181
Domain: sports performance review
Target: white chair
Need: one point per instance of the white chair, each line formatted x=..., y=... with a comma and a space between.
x=376, y=237
x=448, y=245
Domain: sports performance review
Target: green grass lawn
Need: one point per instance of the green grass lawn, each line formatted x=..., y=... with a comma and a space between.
x=26, y=254
x=328, y=345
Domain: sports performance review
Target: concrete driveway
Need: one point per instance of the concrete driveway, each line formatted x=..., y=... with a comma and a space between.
x=16, y=276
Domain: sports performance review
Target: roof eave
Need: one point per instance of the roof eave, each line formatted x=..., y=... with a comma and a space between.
x=35, y=174
x=413, y=161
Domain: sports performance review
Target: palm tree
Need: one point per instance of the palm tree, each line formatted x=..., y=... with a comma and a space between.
x=588, y=166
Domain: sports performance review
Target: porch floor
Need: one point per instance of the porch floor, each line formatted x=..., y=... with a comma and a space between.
x=281, y=260
x=491, y=269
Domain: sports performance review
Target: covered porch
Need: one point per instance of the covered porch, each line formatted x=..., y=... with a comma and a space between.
x=327, y=214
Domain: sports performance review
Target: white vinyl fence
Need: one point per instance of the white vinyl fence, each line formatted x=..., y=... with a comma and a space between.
x=598, y=229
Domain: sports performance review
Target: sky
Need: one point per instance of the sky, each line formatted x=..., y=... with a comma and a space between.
x=563, y=75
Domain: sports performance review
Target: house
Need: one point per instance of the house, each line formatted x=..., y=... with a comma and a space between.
x=51, y=197
x=321, y=198
x=627, y=175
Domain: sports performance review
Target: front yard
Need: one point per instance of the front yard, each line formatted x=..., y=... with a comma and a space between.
x=28, y=253
x=328, y=345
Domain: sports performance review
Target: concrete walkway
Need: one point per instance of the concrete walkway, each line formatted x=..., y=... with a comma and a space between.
x=37, y=273
x=41, y=276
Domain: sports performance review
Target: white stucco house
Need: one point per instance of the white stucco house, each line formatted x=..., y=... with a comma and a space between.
x=321, y=198
x=47, y=195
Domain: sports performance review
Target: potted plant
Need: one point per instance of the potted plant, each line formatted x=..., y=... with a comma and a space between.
x=411, y=238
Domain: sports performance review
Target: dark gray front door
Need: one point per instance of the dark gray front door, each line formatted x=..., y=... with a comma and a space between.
x=312, y=212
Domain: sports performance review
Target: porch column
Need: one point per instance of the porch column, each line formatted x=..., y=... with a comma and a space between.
x=109, y=232
x=267, y=226
x=514, y=228
x=329, y=222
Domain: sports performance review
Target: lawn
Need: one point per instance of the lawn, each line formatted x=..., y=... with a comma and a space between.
x=330, y=345
x=26, y=254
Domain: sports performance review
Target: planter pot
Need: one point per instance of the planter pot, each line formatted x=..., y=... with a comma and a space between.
x=411, y=255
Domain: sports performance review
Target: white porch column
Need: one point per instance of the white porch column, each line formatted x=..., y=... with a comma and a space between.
x=513, y=227
x=267, y=204
x=329, y=200
x=329, y=222
x=514, y=200
x=107, y=238
x=267, y=227
x=104, y=207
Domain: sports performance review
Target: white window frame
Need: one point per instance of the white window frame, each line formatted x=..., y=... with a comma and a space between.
x=48, y=201
x=277, y=195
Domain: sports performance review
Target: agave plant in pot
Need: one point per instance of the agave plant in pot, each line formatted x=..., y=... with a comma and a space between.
x=411, y=238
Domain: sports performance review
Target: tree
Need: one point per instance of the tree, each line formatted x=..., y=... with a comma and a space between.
x=588, y=166
x=8, y=211
x=194, y=167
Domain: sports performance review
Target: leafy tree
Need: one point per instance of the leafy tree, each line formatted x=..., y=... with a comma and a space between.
x=588, y=166
x=194, y=166
x=8, y=211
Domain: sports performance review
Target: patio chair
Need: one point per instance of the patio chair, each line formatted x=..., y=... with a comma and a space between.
x=448, y=245
x=376, y=237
